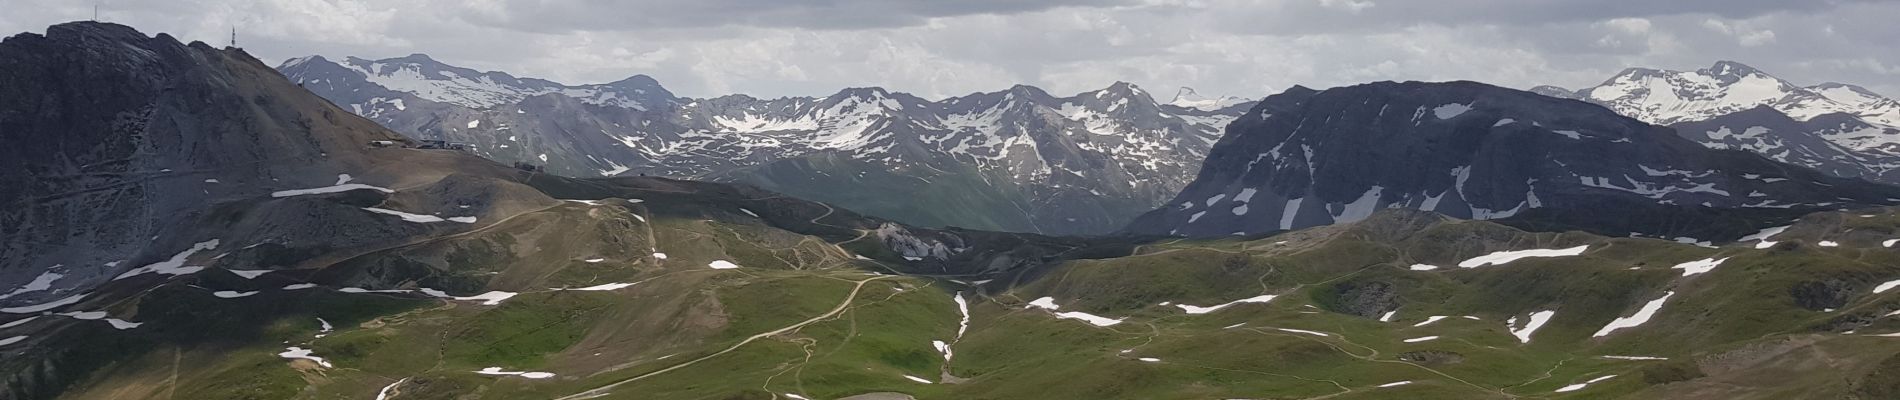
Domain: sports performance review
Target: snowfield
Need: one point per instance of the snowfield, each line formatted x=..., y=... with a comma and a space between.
x=1537, y=320
x=1203, y=310
x=1504, y=257
x=1642, y=315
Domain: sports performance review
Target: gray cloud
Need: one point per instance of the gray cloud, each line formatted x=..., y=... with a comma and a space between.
x=939, y=48
x=618, y=15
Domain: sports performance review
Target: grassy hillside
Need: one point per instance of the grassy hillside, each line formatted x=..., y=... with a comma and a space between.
x=825, y=304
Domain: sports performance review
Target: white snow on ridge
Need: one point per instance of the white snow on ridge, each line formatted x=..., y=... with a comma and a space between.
x=1429, y=320
x=1302, y=331
x=328, y=189
x=1190, y=309
x=1580, y=386
x=18, y=322
x=249, y=273
x=490, y=298
x=302, y=353
x=1889, y=285
x=42, y=282
x=1049, y=303
x=1420, y=339
x=1642, y=315
x=44, y=306
x=529, y=375
x=418, y=218
x=12, y=340
x=1633, y=358
x=1396, y=384
x=175, y=265
x=116, y=323
x=1699, y=266
x=230, y=294
x=603, y=287
x=1422, y=267
x=1764, y=234
x=722, y=264
x=1503, y=257
x=1537, y=321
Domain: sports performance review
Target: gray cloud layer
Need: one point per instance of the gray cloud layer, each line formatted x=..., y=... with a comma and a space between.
x=938, y=48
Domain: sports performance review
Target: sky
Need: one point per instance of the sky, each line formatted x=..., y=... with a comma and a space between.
x=939, y=48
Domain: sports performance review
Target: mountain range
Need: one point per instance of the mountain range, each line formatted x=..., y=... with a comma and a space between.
x=1017, y=160
x=1841, y=129
x=192, y=224
x=1307, y=158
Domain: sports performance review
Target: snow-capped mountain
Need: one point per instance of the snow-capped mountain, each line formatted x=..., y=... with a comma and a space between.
x=1188, y=98
x=1837, y=144
x=1841, y=129
x=1666, y=97
x=1306, y=158
x=1018, y=159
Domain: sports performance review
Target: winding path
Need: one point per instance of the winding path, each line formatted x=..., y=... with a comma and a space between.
x=603, y=390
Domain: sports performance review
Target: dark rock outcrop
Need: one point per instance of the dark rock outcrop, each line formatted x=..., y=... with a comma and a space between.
x=1469, y=150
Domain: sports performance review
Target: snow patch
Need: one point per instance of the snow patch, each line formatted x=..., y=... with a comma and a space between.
x=524, y=374
x=1503, y=257
x=1191, y=309
x=44, y=306
x=1537, y=321
x=722, y=264
x=1580, y=386
x=175, y=265
x=1699, y=266
x=1049, y=303
x=304, y=354
x=1641, y=316
x=329, y=189
x=1430, y=320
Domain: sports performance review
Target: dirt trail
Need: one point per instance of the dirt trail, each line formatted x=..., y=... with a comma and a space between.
x=603, y=390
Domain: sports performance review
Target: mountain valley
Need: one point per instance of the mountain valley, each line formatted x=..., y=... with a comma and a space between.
x=192, y=223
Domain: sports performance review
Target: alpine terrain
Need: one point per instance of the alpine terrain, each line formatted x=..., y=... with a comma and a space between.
x=1306, y=158
x=1840, y=129
x=187, y=223
x=1016, y=160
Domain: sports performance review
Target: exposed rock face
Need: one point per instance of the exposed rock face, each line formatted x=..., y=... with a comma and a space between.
x=1822, y=295
x=121, y=147
x=1018, y=160
x=1368, y=299
x=1838, y=144
x=1468, y=150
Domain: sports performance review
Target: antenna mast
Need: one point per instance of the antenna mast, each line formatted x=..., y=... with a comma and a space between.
x=234, y=36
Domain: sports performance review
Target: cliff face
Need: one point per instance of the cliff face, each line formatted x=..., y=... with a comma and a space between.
x=119, y=145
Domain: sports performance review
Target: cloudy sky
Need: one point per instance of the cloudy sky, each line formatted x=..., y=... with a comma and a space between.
x=936, y=48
